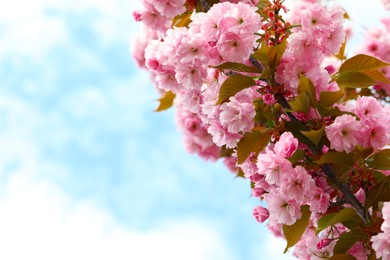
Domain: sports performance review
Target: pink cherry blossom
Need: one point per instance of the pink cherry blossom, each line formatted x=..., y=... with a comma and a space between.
x=273, y=167
x=169, y=8
x=287, y=145
x=282, y=210
x=343, y=134
x=298, y=185
x=237, y=117
x=381, y=245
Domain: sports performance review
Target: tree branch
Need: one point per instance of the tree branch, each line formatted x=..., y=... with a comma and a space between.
x=345, y=189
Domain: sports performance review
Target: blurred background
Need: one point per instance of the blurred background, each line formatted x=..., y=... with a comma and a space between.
x=87, y=169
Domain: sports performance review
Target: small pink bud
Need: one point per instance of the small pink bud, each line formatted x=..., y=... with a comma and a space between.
x=137, y=16
x=257, y=192
x=269, y=99
x=323, y=243
x=261, y=214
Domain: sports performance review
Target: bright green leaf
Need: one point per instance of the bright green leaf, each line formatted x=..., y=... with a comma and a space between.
x=232, y=85
x=362, y=62
x=329, y=98
x=336, y=158
x=314, y=136
x=166, y=101
x=380, y=160
x=254, y=141
x=294, y=232
x=235, y=66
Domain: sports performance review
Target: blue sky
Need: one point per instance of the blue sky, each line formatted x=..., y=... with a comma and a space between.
x=87, y=169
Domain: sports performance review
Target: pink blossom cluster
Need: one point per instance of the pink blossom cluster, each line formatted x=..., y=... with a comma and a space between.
x=381, y=242
x=371, y=127
x=181, y=60
x=284, y=187
x=286, y=174
x=377, y=44
x=320, y=34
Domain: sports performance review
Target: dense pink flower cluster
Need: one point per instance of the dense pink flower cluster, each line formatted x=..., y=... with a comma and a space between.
x=320, y=34
x=295, y=126
x=372, y=129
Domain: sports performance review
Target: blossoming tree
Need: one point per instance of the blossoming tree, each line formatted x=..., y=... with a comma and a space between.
x=271, y=92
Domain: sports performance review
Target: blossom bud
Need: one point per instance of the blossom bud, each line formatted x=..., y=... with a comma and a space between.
x=323, y=243
x=269, y=99
x=261, y=214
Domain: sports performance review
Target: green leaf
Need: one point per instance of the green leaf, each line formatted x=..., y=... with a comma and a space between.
x=344, y=215
x=314, y=136
x=329, y=98
x=355, y=79
x=166, y=101
x=336, y=158
x=345, y=242
x=270, y=55
x=295, y=127
x=362, y=62
x=297, y=156
x=342, y=257
x=232, y=85
x=182, y=20
x=377, y=75
x=307, y=86
x=254, y=141
x=301, y=103
x=380, y=192
x=240, y=173
x=361, y=153
x=329, y=111
x=341, y=54
x=225, y=152
x=294, y=232
x=380, y=160
x=235, y=66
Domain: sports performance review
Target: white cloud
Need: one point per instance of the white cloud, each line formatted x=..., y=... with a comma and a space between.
x=40, y=222
x=273, y=248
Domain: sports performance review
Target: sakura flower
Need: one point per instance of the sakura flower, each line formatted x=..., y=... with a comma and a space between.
x=234, y=46
x=320, y=201
x=237, y=117
x=273, y=167
x=381, y=245
x=343, y=133
x=282, y=210
x=298, y=185
x=169, y=8
x=287, y=145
